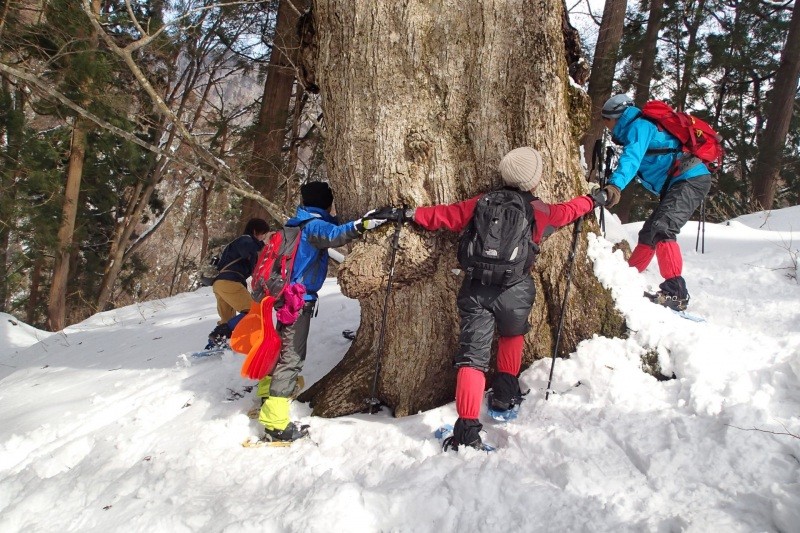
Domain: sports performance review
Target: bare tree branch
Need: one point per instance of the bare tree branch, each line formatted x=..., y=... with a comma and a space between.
x=219, y=166
x=787, y=433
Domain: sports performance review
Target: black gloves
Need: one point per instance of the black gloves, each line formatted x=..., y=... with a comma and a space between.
x=395, y=214
x=606, y=197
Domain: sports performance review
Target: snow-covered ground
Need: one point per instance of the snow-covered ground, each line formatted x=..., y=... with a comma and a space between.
x=109, y=426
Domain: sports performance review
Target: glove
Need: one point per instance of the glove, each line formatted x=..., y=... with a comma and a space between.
x=393, y=213
x=612, y=195
x=599, y=197
x=368, y=221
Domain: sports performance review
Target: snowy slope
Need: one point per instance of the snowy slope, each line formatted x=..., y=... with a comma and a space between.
x=108, y=426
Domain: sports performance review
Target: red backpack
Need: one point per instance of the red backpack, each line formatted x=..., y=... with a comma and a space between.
x=696, y=135
x=274, y=267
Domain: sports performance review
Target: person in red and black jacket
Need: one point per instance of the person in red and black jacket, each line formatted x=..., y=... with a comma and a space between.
x=482, y=307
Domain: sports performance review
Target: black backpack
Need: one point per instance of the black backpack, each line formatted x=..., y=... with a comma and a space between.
x=497, y=246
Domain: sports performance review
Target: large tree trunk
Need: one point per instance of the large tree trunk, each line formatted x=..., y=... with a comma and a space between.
x=268, y=171
x=782, y=98
x=56, y=307
x=422, y=99
x=601, y=78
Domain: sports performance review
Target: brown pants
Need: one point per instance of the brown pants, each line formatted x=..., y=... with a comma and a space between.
x=232, y=298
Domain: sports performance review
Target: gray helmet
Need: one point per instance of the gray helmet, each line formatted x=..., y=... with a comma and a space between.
x=615, y=106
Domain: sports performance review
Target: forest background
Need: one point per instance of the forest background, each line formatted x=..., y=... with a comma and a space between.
x=135, y=135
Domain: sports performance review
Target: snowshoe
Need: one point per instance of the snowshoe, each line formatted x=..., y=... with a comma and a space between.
x=209, y=352
x=278, y=438
x=671, y=301
x=502, y=411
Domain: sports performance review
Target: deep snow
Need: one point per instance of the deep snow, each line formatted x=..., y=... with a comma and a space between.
x=109, y=426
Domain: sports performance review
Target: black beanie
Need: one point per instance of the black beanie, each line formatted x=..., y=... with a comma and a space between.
x=317, y=194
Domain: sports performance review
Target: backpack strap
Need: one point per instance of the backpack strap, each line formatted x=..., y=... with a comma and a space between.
x=293, y=255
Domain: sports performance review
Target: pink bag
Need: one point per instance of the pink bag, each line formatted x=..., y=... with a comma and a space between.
x=292, y=304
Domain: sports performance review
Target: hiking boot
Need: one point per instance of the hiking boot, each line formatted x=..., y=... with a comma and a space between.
x=672, y=294
x=466, y=432
x=506, y=393
x=218, y=338
x=290, y=433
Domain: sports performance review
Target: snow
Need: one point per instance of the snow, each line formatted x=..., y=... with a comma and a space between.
x=110, y=426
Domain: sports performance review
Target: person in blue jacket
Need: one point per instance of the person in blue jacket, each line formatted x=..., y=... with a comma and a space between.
x=655, y=159
x=236, y=264
x=320, y=230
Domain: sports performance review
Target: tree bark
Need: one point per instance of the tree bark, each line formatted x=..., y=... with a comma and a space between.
x=422, y=99
x=56, y=307
x=601, y=78
x=268, y=171
x=781, y=106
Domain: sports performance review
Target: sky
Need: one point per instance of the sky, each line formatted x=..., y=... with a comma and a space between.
x=111, y=426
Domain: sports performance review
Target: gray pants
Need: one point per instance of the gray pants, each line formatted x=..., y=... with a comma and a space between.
x=482, y=307
x=294, y=342
x=675, y=209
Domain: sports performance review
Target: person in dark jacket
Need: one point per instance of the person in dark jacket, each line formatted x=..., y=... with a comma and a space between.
x=681, y=181
x=230, y=286
x=320, y=231
x=484, y=307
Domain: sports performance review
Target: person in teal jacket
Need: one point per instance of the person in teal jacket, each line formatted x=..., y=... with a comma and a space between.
x=320, y=231
x=655, y=159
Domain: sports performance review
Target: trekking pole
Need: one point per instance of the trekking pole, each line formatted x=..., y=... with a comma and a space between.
x=701, y=222
x=604, y=182
x=703, y=214
x=373, y=402
x=576, y=231
x=597, y=162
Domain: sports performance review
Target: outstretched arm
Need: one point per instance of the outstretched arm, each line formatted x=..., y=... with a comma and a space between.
x=453, y=217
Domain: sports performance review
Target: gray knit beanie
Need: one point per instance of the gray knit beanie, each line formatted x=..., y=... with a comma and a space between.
x=522, y=168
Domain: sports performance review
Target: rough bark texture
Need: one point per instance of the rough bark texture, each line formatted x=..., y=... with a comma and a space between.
x=782, y=98
x=421, y=101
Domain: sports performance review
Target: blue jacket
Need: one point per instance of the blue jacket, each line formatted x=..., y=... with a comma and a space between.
x=638, y=136
x=239, y=259
x=320, y=232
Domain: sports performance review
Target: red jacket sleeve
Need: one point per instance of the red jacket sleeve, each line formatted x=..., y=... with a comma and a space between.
x=453, y=217
x=550, y=217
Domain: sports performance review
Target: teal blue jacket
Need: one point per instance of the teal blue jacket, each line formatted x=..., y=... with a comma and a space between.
x=320, y=232
x=637, y=136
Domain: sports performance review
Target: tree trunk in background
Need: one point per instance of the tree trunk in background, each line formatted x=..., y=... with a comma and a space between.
x=12, y=129
x=649, y=52
x=32, y=305
x=688, y=77
x=601, y=78
x=268, y=172
x=422, y=99
x=56, y=306
x=642, y=94
x=781, y=106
